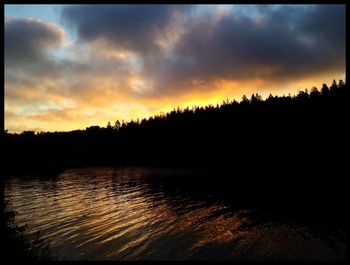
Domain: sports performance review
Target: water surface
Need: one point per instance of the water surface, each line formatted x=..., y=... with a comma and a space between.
x=159, y=214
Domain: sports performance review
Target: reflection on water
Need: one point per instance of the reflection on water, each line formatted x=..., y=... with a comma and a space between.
x=134, y=213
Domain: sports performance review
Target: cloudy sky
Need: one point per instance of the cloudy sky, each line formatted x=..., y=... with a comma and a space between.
x=72, y=66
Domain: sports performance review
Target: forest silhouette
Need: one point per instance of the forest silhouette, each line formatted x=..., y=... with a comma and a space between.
x=283, y=150
x=281, y=136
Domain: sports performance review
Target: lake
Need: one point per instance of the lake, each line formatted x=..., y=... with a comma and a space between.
x=163, y=214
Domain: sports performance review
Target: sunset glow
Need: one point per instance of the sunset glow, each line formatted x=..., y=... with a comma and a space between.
x=68, y=67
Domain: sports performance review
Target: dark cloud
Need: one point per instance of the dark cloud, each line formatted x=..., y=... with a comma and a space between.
x=327, y=24
x=130, y=27
x=280, y=42
x=27, y=41
x=29, y=62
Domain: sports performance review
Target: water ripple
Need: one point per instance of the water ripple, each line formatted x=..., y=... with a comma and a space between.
x=111, y=213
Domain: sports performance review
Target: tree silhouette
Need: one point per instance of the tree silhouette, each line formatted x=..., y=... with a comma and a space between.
x=325, y=90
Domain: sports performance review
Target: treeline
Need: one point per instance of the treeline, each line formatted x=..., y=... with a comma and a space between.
x=253, y=135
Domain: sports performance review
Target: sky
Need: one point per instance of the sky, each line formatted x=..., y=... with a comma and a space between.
x=69, y=67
